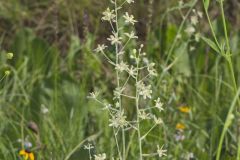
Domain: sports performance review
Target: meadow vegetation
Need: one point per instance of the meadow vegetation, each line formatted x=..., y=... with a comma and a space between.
x=119, y=80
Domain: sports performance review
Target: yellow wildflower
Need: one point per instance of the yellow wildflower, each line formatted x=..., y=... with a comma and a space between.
x=184, y=109
x=180, y=126
x=26, y=155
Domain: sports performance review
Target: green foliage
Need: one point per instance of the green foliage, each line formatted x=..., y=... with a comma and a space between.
x=59, y=74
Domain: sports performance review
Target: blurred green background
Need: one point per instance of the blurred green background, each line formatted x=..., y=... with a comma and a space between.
x=54, y=67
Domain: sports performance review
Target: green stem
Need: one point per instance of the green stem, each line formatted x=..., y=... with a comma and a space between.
x=227, y=124
x=211, y=27
x=236, y=99
x=93, y=137
x=224, y=26
x=138, y=119
x=178, y=33
x=118, y=78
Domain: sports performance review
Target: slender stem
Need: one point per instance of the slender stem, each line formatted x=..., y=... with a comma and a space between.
x=145, y=77
x=125, y=44
x=148, y=131
x=118, y=78
x=116, y=140
x=227, y=124
x=231, y=68
x=122, y=3
x=131, y=97
x=130, y=142
x=126, y=81
x=112, y=26
x=111, y=62
x=93, y=137
x=2, y=78
x=238, y=151
x=178, y=33
x=211, y=27
x=89, y=153
x=22, y=129
x=138, y=119
x=224, y=26
x=114, y=132
x=236, y=91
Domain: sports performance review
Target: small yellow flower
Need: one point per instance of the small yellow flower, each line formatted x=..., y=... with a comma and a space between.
x=9, y=55
x=180, y=126
x=26, y=155
x=7, y=72
x=184, y=109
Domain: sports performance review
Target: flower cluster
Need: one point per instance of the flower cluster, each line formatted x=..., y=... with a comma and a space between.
x=129, y=19
x=144, y=90
x=131, y=65
x=100, y=156
x=108, y=15
x=161, y=152
x=118, y=120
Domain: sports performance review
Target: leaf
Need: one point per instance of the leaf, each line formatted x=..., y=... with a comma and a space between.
x=74, y=49
x=182, y=64
x=211, y=44
x=206, y=4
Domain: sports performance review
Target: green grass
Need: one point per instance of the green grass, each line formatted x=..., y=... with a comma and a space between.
x=59, y=74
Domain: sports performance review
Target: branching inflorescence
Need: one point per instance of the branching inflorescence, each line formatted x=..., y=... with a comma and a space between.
x=133, y=71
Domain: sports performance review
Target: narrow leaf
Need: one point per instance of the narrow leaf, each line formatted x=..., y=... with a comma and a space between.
x=211, y=44
x=206, y=4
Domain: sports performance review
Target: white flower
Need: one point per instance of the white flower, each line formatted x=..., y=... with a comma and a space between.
x=132, y=71
x=192, y=48
x=190, y=30
x=179, y=36
x=197, y=37
x=131, y=35
x=117, y=105
x=161, y=152
x=100, y=156
x=190, y=156
x=180, y=3
x=129, y=18
x=107, y=106
x=122, y=66
x=117, y=92
x=144, y=90
x=159, y=104
x=108, y=15
x=143, y=115
x=118, y=120
x=151, y=70
x=100, y=48
x=194, y=20
x=157, y=120
x=130, y=1
x=44, y=109
x=114, y=39
x=145, y=60
x=200, y=14
x=93, y=95
x=89, y=146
